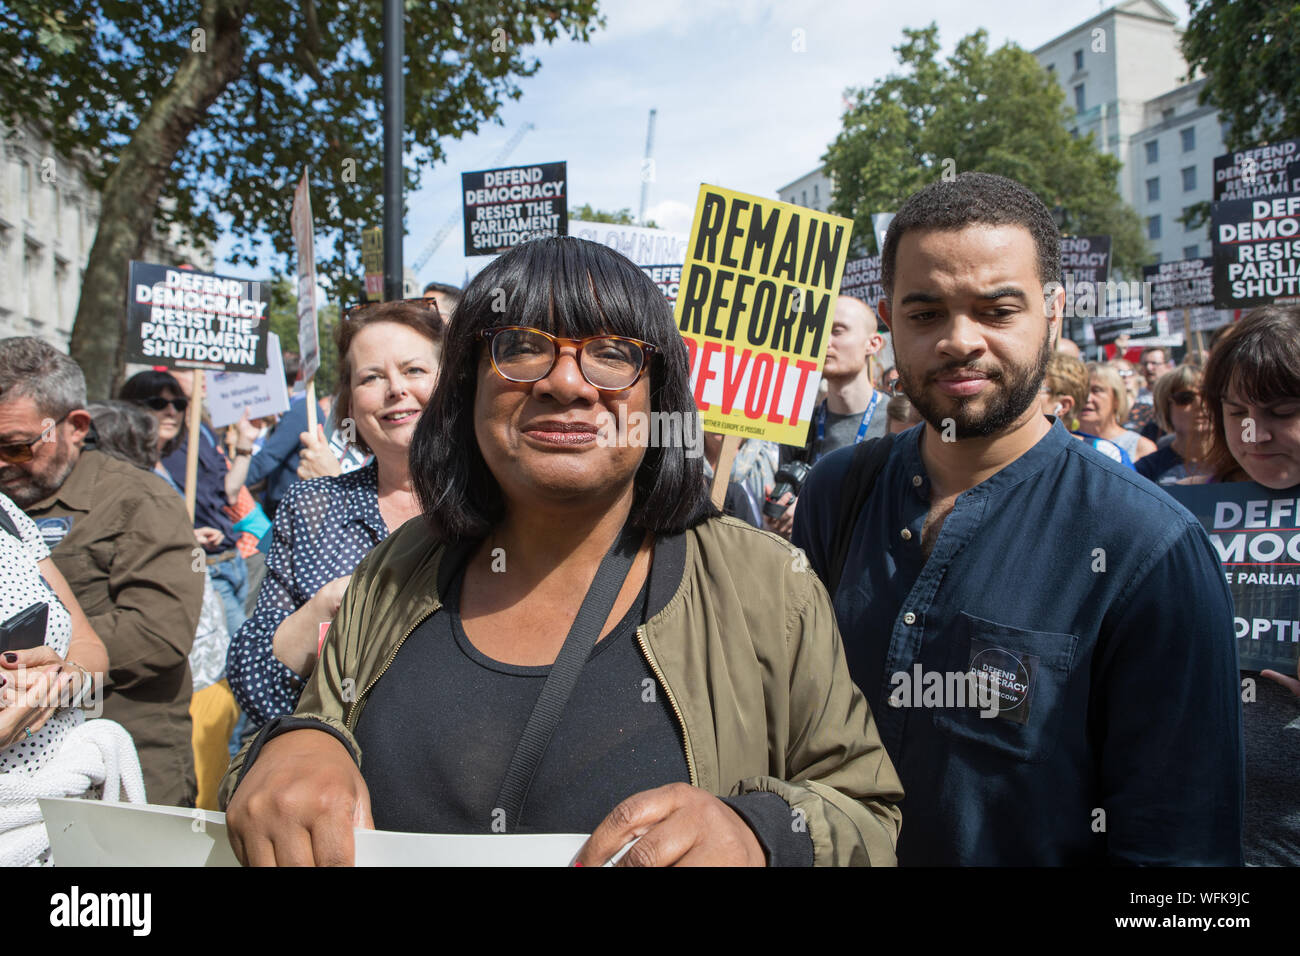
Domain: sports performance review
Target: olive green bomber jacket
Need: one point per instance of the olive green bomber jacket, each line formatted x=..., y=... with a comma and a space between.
x=746, y=651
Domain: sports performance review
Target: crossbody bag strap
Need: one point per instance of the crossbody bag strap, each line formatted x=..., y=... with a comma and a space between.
x=564, y=673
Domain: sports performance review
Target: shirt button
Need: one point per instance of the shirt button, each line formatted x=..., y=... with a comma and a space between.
x=905, y=535
x=909, y=618
x=916, y=481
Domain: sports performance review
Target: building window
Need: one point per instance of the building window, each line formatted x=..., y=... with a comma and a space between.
x=1189, y=139
x=1166, y=115
x=1189, y=179
x=1051, y=68
x=1153, y=151
x=1153, y=189
x=1153, y=227
x=1191, y=252
x=817, y=194
x=1078, y=98
x=26, y=189
x=1078, y=59
x=803, y=198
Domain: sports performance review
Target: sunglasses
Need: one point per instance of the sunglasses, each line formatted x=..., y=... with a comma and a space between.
x=21, y=452
x=158, y=403
x=611, y=363
x=1183, y=399
x=425, y=303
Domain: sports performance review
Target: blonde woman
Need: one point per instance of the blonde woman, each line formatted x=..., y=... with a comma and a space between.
x=1106, y=405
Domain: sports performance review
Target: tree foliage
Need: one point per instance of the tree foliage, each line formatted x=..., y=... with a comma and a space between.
x=995, y=111
x=282, y=315
x=1249, y=51
x=204, y=113
x=585, y=213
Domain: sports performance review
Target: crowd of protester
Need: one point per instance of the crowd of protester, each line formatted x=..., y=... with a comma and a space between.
x=401, y=582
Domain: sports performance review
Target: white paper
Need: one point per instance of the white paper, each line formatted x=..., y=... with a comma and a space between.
x=389, y=848
x=229, y=393
x=91, y=833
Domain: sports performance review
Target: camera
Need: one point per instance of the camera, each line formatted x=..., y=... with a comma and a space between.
x=789, y=478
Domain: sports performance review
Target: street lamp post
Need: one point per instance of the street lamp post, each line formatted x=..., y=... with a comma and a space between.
x=394, y=122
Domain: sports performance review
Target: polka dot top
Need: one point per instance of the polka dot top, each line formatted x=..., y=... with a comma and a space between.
x=323, y=528
x=21, y=586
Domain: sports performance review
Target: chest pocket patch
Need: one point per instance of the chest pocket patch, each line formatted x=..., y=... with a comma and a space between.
x=54, y=530
x=1028, y=675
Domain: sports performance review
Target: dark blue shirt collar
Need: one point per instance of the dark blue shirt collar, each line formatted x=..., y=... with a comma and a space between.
x=1026, y=466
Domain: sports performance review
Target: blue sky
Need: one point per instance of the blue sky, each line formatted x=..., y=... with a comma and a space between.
x=737, y=105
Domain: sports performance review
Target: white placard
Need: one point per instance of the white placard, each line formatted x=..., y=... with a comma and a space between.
x=229, y=393
x=92, y=833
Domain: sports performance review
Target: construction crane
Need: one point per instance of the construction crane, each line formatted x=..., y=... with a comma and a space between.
x=454, y=218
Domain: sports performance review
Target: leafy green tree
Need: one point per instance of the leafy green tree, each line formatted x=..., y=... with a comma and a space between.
x=994, y=111
x=621, y=218
x=282, y=314
x=215, y=107
x=1249, y=51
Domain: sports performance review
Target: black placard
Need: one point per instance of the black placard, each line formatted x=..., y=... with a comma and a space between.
x=506, y=207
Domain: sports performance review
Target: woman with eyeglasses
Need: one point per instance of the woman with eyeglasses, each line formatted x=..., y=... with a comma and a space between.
x=388, y=364
x=572, y=640
x=1178, y=408
x=1105, y=406
x=161, y=395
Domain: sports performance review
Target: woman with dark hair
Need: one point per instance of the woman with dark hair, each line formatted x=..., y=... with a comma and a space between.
x=700, y=700
x=142, y=431
x=388, y=363
x=218, y=480
x=1251, y=389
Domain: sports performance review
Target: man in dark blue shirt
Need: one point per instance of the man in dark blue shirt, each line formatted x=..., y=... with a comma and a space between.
x=1045, y=638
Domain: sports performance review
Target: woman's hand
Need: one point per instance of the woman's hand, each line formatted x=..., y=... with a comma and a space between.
x=208, y=537
x=1290, y=683
x=316, y=459
x=679, y=825
x=297, y=639
x=30, y=694
x=298, y=803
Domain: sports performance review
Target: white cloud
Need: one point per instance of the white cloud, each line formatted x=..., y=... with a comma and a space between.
x=672, y=215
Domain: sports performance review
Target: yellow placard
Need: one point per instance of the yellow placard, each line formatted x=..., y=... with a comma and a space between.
x=755, y=306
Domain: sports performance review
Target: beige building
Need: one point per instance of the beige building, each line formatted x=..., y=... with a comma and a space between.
x=48, y=217
x=1123, y=72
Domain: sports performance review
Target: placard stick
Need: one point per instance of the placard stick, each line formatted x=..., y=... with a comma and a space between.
x=722, y=474
x=311, y=406
x=192, y=449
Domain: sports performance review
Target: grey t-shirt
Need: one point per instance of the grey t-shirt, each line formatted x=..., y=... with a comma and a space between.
x=841, y=430
x=1271, y=728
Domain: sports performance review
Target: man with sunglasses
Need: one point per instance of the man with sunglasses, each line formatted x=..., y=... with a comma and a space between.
x=122, y=539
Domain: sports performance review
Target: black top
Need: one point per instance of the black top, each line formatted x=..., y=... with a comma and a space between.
x=439, y=729
x=1154, y=465
x=400, y=749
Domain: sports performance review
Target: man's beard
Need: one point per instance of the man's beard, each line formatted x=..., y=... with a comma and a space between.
x=33, y=488
x=1015, y=389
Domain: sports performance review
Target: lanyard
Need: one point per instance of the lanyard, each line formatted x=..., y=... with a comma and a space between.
x=820, y=418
